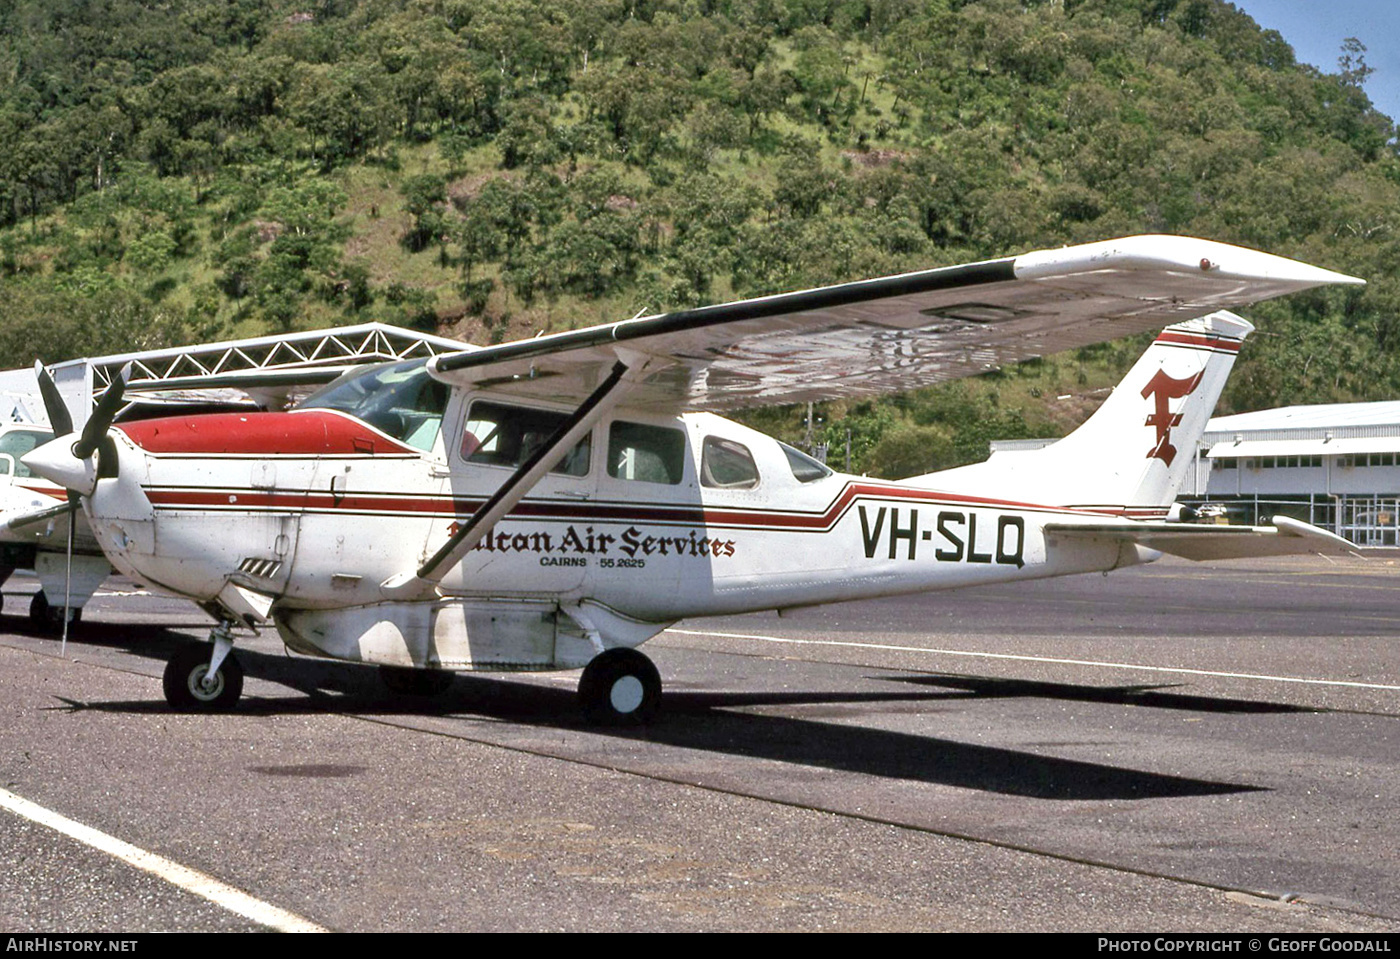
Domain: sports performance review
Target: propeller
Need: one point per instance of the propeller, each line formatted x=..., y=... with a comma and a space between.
x=54, y=406
x=102, y=415
x=75, y=466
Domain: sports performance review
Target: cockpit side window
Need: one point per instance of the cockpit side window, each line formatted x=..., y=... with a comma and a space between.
x=725, y=464
x=501, y=435
x=400, y=399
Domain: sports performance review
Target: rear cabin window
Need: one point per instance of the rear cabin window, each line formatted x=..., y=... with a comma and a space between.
x=648, y=454
x=725, y=464
x=502, y=435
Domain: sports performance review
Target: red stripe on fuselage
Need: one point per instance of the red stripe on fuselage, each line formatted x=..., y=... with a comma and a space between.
x=396, y=504
x=300, y=433
x=53, y=492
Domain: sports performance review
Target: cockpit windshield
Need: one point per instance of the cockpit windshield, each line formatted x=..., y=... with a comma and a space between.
x=805, y=469
x=399, y=399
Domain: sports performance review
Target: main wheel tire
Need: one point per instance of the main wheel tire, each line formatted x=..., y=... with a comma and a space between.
x=49, y=619
x=184, y=677
x=408, y=681
x=620, y=687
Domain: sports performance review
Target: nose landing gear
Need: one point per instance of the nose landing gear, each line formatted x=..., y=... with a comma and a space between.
x=197, y=682
x=49, y=619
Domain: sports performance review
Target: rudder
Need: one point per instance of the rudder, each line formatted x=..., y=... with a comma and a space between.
x=1131, y=456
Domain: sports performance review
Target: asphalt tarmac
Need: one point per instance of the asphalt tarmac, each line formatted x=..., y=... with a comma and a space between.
x=1176, y=747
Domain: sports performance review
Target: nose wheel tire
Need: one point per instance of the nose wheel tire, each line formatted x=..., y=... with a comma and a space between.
x=186, y=690
x=620, y=687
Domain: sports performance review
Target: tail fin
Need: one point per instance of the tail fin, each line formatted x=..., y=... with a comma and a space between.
x=1133, y=453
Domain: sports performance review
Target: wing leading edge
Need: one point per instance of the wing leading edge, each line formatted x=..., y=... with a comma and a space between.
x=898, y=332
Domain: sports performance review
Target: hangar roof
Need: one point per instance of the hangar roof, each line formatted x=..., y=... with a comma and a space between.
x=268, y=369
x=1384, y=414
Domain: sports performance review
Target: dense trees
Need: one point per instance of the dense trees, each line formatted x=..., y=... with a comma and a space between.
x=231, y=167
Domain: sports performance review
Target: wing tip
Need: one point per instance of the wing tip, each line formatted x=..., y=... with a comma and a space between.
x=1178, y=254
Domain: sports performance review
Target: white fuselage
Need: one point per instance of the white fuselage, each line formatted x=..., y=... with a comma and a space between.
x=319, y=527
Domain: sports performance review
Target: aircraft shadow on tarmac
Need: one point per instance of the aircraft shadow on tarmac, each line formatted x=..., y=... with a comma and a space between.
x=708, y=721
x=1149, y=696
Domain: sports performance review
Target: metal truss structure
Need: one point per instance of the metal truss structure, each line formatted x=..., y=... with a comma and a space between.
x=261, y=365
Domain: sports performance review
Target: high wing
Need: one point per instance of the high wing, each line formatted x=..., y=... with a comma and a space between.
x=1285, y=537
x=894, y=333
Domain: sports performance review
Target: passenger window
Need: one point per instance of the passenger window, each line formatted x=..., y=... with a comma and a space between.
x=725, y=464
x=649, y=454
x=501, y=435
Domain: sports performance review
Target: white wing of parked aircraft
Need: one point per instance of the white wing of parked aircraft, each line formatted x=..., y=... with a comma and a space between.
x=902, y=332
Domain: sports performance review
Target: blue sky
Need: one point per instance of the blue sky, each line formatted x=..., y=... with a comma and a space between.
x=1316, y=28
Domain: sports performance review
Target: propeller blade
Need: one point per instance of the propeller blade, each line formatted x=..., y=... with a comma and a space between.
x=54, y=406
x=106, y=411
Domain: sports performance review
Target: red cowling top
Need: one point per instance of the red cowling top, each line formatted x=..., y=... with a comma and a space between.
x=299, y=433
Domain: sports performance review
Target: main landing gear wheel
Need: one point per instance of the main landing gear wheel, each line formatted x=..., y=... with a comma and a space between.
x=416, y=682
x=185, y=688
x=620, y=687
x=49, y=619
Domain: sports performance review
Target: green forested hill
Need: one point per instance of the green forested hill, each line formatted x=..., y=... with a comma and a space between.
x=200, y=168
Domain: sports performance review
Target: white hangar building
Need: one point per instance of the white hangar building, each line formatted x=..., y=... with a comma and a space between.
x=1335, y=465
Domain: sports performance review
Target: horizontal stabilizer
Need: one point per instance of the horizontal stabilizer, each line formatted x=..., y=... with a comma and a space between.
x=1198, y=541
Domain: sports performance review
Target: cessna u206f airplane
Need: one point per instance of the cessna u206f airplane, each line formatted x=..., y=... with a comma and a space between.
x=553, y=503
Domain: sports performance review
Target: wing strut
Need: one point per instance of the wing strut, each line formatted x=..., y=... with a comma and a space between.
x=43, y=515
x=514, y=489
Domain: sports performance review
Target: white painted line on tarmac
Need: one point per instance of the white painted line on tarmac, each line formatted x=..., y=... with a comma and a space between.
x=1035, y=659
x=191, y=880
